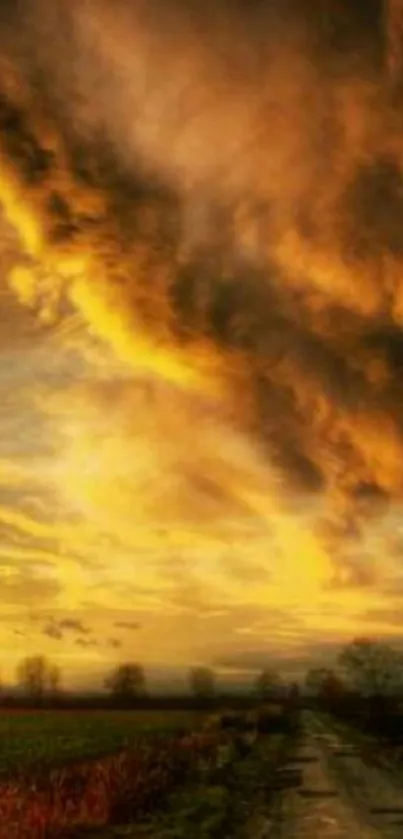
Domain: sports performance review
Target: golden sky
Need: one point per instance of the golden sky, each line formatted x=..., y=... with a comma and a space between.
x=201, y=335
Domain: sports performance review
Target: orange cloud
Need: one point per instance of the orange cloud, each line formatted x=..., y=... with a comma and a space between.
x=210, y=225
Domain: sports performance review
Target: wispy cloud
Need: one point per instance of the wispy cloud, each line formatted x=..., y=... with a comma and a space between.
x=127, y=625
x=86, y=642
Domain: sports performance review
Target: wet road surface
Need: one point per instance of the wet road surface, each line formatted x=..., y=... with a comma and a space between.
x=341, y=796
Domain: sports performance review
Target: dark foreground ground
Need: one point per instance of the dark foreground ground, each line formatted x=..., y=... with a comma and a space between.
x=320, y=783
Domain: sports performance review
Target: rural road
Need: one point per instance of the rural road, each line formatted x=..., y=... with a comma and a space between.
x=342, y=795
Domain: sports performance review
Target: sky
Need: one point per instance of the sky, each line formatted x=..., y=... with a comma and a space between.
x=201, y=347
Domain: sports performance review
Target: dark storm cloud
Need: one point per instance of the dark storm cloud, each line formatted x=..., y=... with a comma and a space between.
x=75, y=625
x=235, y=174
x=56, y=628
x=53, y=631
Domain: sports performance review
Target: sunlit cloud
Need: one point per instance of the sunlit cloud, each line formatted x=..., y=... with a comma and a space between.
x=200, y=366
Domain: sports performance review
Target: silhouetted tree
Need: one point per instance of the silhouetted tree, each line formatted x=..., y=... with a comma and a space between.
x=372, y=667
x=202, y=682
x=268, y=684
x=54, y=680
x=293, y=693
x=324, y=683
x=38, y=677
x=127, y=681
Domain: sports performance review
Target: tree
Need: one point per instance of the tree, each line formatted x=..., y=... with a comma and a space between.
x=127, y=681
x=268, y=684
x=372, y=667
x=54, y=680
x=324, y=683
x=202, y=682
x=293, y=693
x=38, y=677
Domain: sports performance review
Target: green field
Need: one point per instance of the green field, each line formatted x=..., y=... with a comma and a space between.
x=37, y=740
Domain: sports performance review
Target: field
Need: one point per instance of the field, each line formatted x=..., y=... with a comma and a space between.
x=67, y=771
x=41, y=740
x=60, y=769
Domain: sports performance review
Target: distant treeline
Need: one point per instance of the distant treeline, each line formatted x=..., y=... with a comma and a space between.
x=39, y=684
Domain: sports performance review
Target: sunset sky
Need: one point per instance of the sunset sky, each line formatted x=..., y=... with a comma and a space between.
x=201, y=346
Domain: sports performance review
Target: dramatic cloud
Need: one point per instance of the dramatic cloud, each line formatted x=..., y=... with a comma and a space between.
x=75, y=625
x=208, y=200
x=57, y=628
x=53, y=631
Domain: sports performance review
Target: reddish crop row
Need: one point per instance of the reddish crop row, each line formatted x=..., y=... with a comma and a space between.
x=113, y=789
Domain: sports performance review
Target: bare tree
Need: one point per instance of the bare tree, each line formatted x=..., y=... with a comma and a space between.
x=372, y=667
x=54, y=680
x=127, y=681
x=202, y=682
x=268, y=684
x=324, y=683
x=38, y=677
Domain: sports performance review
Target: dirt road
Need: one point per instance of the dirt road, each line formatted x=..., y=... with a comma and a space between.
x=342, y=795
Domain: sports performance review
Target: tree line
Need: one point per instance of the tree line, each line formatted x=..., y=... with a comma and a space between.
x=38, y=678
x=365, y=666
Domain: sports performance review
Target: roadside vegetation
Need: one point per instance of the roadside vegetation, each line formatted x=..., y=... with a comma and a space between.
x=165, y=781
x=364, y=690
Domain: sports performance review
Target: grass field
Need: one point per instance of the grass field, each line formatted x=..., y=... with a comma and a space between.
x=38, y=740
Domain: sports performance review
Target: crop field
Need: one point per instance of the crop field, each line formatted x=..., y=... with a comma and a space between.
x=40, y=740
x=59, y=769
x=64, y=771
